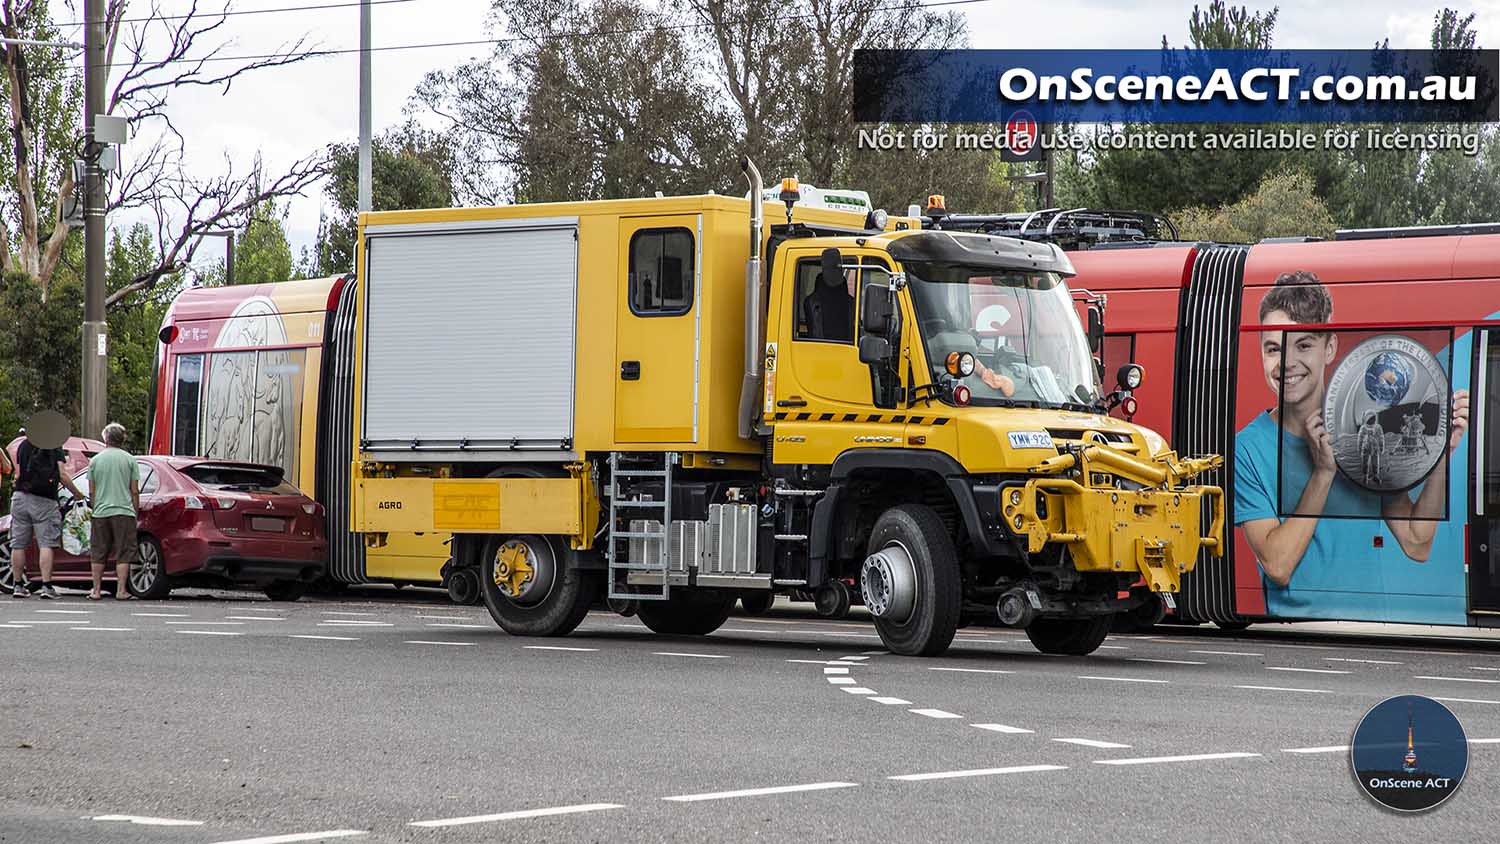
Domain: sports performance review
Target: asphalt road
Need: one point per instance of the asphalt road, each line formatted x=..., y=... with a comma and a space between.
x=211, y=720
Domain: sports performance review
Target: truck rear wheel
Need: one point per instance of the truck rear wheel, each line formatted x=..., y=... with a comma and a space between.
x=687, y=612
x=533, y=587
x=910, y=581
x=1069, y=636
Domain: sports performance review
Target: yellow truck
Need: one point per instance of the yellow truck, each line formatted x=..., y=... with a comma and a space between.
x=671, y=405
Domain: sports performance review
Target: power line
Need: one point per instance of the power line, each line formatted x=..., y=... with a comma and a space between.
x=234, y=12
x=317, y=54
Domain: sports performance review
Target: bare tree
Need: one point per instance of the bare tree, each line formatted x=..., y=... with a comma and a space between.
x=149, y=57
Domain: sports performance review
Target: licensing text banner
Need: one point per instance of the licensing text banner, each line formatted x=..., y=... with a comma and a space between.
x=1177, y=86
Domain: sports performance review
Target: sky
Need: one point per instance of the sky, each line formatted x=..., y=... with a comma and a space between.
x=287, y=113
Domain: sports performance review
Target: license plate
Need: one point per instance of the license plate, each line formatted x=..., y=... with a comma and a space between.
x=268, y=524
x=1031, y=439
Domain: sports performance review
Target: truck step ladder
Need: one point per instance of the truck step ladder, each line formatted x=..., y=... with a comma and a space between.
x=643, y=532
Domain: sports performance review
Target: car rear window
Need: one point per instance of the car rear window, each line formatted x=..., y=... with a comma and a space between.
x=241, y=478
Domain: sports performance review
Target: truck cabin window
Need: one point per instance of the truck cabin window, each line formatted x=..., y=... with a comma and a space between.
x=825, y=307
x=661, y=272
x=1021, y=327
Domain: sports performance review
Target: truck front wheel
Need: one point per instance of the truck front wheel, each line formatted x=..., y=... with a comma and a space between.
x=687, y=612
x=910, y=581
x=532, y=586
x=1069, y=636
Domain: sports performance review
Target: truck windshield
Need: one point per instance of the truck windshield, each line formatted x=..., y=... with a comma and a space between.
x=1021, y=327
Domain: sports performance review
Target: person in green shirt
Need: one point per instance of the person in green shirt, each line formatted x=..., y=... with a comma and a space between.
x=115, y=491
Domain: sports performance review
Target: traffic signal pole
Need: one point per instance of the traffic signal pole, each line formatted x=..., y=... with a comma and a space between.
x=95, y=328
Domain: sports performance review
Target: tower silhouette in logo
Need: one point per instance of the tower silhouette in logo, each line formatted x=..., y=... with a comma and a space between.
x=1409, y=764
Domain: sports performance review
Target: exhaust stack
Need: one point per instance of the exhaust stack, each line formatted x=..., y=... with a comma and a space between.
x=755, y=319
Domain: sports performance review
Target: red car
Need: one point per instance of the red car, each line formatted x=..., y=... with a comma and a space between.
x=207, y=523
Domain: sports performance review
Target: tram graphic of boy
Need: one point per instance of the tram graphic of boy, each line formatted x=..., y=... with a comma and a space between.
x=1306, y=555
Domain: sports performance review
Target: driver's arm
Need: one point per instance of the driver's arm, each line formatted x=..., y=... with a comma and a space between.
x=994, y=380
x=67, y=482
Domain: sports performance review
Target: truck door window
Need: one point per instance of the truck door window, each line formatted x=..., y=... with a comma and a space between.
x=825, y=307
x=661, y=272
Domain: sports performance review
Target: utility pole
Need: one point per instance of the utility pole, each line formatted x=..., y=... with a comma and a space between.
x=95, y=328
x=366, y=167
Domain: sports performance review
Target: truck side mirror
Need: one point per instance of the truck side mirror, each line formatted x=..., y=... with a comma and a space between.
x=876, y=310
x=1096, y=329
x=873, y=349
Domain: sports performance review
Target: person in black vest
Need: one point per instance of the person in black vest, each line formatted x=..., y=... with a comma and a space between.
x=34, y=513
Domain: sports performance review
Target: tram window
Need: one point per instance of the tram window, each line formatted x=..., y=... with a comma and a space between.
x=185, y=411
x=661, y=272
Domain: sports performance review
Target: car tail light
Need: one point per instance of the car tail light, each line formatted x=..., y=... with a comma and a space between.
x=224, y=503
x=313, y=509
x=193, y=502
x=961, y=395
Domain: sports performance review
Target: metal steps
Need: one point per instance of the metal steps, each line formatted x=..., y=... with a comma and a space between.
x=649, y=537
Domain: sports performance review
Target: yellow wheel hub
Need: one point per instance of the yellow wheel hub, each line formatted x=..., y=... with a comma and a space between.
x=513, y=568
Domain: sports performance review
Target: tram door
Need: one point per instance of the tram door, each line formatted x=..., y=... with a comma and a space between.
x=1484, y=531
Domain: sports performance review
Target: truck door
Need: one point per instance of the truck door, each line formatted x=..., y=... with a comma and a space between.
x=1484, y=527
x=657, y=334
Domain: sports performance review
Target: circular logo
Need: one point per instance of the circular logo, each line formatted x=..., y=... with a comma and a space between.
x=1409, y=753
x=1387, y=413
x=1021, y=133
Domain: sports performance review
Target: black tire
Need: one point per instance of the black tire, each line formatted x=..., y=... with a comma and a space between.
x=463, y=587
x=1141, y=618
x=758, y=603
x=148, y=574
x=688, y=612
x=285, y=590
x=554, y=613
x=928, y=631
x=1069, y=636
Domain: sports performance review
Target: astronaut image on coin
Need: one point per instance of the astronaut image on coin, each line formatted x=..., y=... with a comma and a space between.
x=1387, y=412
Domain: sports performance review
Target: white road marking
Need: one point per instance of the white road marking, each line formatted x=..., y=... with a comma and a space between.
x=457, y=624
x=449, y=618
x=340, y=622
x=1119, y=679
x=54, y=621
x=1227, y=653
x=325, y=638
x=15, y=627
x=891, y=701
x=694, y=656
x=840, y=681
x=65, y=612
x=299, y=836
x=1478, y=668
x=336, y=612
x=977, y=772
x=814, y=662
x=437, y=642
x=1463, y=700
x=859, y=690
x=252, y=618
x=145, y=821
x=105, y=629
x=520, y=815
x=557, y=648
x=861, y=658
x=1152, y=760
x=1459, y=679
x=211, y=623
x=836, y=671
x=1102, y=745
x=212, y=632
x=935, y=713
x=1363, y=661
x=1002, y=728
x=1332, y=748
x=971, y=670
x=1164, y=661
x=1484, y=741
x=1285, y=689
x=1306, y=670
x=758, y=792
x=1113, y=648
x=162, y=614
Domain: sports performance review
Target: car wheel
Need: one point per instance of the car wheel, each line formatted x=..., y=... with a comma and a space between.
x=687, y=612
x=148, y=577
x=1069, y=636
x=757, y=604
x=6, y=586
x=910, y=581
x=533, y=585
x=285, y=590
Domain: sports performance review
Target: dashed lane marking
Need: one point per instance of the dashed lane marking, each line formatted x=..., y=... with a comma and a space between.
x=977, y=772
x=935, y=713
x=814, y=662
x=448, y=618
x=210, y=623
x=971, y=670
x=1002, y=728
x=557, y=648
x=759, y=792
x=859, y=690
x=337, y=612
x=15, y=626
x=162, y=614
x=1095, y=743
x=252, y=618
x=836, y=671
x=690, y=655
x=1164, y=661
x=146, y=821
x=30, y=621
x=1285, y=689
x=299, y=836
x=325, y=638
x=65, y=612
x=437, y=642
x=212, y=632
x=1464, y=700
x=891, y=701
x=840, y=681
x=1363, y=661
x=519, y=815
x=862, y=658
x=1332, y=748
x=1307, y=670
x=1119, y=679
x=106, y=629
x=341, y=622
x=1459, y=679
x=1113, y=648
x=1478, y=668
x=1154, y=760
x=1227, y=653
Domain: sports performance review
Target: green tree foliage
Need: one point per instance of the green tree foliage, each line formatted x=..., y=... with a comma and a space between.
x=410, y=167
x=1284, y=204
x=261, y=252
